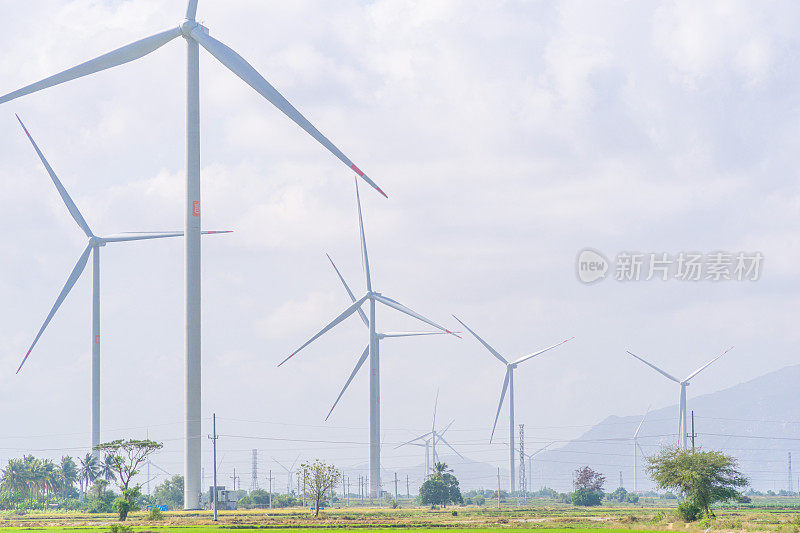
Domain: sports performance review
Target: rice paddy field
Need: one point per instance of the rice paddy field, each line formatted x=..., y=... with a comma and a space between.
x=782, y=516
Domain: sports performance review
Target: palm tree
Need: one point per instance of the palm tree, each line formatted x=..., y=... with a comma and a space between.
x=88, y=472
x=69, y=472
x=440, y=469
x=13, y=477
x=107, y=469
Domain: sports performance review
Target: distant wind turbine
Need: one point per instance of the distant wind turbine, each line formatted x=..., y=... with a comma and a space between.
x=636, y=449
x=682, y=413
x=372, y=350
x=530, y=457
x=428, y=440
x=196, y=35
x=93, y=248
x=508, y=383
x=289, y=473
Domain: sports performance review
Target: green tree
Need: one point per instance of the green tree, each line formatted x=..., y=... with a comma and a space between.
x=69, y=473
x=702, y=478
x=170, y=492
x=588, y=487
x=127, y=456
x=441, y=487
x=318, y=480
x=107, y=468
x=88, y=471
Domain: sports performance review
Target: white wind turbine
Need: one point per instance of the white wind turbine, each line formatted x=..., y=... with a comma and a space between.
x=683, y=383
x=289, y=473
x=508, y=383
x=428, y=440
x=92, y=247
x=530, y=457
x=372, y=350
x=195, y=35
x=636, y=449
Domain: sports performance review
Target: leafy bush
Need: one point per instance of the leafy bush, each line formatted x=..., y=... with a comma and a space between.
x=586, y=498
x=480, y=499
x=119, y=528
x=454, y=513
x=122, y=507
x=688, y=511
x=632, y=497
x=155, y=514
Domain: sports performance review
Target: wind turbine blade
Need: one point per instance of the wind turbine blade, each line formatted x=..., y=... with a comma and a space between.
x=125, y=237
x=543, y=448
x=654, y=367
x=636, y=433
x=534, y=354
x=413, y=333
x=120, y=56
x=403, y=309
x=485, y=344
x=239, y=66
x=191, y=10
x=448, y=445
x=295, y=462
x=364, y=256
x=500, y=405
x=446, y=428
x=73, y=277
x=281, y=465
x=413, y=441
x=361, y=313
x=359, y=364
x=71, y=207
x=346, y=313
x=693, y=374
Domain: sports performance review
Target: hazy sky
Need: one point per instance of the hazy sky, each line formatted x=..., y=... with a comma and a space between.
x=509, y=136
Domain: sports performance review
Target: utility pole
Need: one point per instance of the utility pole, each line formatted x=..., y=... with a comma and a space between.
x=214, y=438
x=620, y=478
x=233, y=477
x=498, y=487
x=395, y=486
x=270, y=489
x=790, y=472
x=522, y=461
x=408, y=491
x=693, y=433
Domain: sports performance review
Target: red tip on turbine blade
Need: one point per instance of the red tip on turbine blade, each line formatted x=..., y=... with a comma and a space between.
x=357, y=170
x=279, y=364
x=381, y=191
x=454, y=333
x=23, y=361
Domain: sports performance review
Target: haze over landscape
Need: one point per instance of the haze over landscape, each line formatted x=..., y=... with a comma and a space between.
x=620, y=130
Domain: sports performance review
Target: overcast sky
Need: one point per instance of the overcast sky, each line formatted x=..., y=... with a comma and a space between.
x=509, y=136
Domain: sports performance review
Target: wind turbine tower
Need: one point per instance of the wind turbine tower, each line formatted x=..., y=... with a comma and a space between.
x=636, y=449
x=508, y=386
x=371, y=351
x=682, y=410
x=95, y=242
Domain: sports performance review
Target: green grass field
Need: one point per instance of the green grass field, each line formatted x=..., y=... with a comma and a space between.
x=546, y=516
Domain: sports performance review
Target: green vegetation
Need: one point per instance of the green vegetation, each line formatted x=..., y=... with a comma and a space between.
x=441, y=487
x=318, y=481
x=702, y=478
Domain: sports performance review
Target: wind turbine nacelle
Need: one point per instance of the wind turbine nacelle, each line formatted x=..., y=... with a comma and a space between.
x=188, y=25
